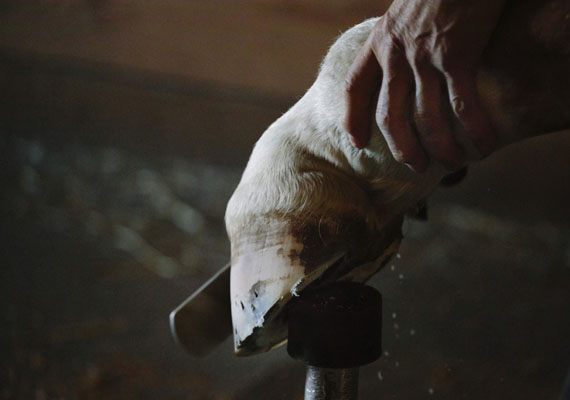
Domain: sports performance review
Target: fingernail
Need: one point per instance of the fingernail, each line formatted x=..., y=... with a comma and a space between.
x=410, y=166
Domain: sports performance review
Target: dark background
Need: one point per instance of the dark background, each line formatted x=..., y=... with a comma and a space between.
x=124, y=129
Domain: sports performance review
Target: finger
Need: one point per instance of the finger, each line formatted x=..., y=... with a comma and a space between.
x=465, y=104
x=393, y=112
x=433, y=129
x=362, y=84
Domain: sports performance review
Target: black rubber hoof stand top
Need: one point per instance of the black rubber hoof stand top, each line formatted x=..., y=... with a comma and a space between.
x=336, y=326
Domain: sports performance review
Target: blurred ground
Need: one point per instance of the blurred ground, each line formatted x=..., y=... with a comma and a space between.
x=99, y=245
x=116, y=168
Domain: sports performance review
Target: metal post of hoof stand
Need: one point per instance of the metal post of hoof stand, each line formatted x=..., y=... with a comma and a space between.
x=335, y=330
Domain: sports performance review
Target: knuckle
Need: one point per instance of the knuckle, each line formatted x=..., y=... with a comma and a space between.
x=419, y=59
x=382, y=36
x=400, y=156
x=389, y=122
x=380, y=25
x=383, y=120
x=391, y=51
x=388, y=26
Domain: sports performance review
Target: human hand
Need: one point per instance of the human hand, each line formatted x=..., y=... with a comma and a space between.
x=417, y=71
